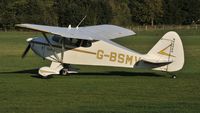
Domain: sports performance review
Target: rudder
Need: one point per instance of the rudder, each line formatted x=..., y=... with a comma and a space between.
x=170, y=48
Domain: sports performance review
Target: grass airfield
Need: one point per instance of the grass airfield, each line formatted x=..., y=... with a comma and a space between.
x=98, y=89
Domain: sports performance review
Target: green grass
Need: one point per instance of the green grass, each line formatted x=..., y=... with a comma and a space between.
x=98, y=89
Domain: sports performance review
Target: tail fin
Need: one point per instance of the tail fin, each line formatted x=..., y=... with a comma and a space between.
x=169, y=48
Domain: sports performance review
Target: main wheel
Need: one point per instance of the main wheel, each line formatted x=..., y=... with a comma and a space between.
x=64, y=72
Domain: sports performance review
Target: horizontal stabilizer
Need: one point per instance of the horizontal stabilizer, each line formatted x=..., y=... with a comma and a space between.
x=151, y=63
x=154, y=61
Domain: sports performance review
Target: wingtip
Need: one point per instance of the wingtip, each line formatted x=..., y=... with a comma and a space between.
x=20, y=25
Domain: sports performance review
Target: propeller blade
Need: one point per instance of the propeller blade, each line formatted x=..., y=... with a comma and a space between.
x=26, y=51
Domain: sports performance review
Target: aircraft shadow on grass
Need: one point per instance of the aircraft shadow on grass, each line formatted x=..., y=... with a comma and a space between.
x=34, y=73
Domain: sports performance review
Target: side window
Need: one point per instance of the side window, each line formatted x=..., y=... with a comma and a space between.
x=71, y=41
x=84, y=43
x=56, y=38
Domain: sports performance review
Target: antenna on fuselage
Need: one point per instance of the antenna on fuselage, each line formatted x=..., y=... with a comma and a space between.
x=81, y=21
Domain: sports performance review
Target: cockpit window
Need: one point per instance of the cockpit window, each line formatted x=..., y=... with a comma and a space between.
x=67, y=41
x=56, y=38
x=71, y=41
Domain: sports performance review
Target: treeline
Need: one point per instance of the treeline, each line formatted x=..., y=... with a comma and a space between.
x=119, y=12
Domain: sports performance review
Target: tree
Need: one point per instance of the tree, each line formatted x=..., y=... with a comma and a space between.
x=38, y=12
x=173, y=13
x=155, y=9
x=181, y=11
x=146, y=11
x=103, y=13
x=121, y=14
x=7, y=16
x=71, y=12
x=193, y=11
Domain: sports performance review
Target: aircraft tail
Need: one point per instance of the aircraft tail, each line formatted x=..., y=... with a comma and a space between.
x=169, y=52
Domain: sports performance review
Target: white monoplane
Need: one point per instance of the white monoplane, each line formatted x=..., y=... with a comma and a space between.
x=92, y=45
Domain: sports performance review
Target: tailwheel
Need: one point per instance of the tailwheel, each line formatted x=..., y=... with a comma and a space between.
x=174, y=76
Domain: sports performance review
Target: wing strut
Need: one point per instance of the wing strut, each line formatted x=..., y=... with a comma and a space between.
x=52, y=48
x=63, y=49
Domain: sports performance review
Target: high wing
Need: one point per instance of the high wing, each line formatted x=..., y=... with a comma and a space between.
x=98, y=32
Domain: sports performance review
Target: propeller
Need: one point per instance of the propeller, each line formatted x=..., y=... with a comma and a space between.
x=26, y=51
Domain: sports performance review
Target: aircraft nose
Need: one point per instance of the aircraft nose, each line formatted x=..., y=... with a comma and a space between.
x=37, y=45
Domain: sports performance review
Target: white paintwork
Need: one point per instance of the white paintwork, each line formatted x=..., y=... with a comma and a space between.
x=98, y=32
x=166, y=55
x=53, y=69
x=103, y=48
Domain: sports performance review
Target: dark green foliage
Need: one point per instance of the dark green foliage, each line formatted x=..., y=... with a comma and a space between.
x=119, y=12
x=181, y=11
x=146, y=11
x=71, y=12
x=7, y=14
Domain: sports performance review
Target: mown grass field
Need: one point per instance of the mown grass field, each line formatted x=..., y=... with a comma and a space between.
x=98, y=89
